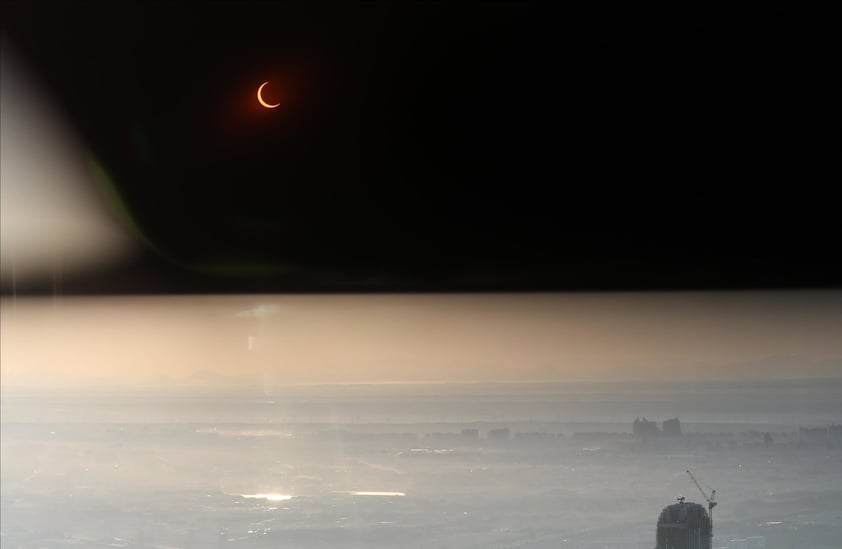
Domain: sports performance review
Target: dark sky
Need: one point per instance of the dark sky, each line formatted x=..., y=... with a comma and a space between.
x=421, y=146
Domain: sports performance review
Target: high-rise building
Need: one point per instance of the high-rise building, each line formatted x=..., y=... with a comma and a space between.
x=502, y=433
x=672, y=427
x=684, y=525
x=470, y=433
x=645, y=428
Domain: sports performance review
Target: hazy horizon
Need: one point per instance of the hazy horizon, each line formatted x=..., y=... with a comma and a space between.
x=483, y=420
x=295, y=340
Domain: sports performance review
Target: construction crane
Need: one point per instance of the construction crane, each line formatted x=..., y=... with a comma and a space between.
x=710, y=499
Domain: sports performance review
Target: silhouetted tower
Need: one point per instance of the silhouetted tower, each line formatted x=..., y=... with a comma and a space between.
x=684, y=525
x=672, y=427
x=644, y=428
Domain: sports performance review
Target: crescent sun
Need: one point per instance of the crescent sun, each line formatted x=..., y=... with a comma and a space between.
x=260, y=97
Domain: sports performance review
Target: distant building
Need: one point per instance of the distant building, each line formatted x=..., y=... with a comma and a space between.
x=470, y=433
x=812, y=436
x=644, y=428
x=500, y=434
x=672, y=427
x=684, y=525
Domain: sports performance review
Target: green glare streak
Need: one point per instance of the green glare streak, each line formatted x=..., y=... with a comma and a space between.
x=115, y=201
x=109, y=192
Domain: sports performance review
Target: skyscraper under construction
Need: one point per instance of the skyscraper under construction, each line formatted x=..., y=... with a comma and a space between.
x=684, y=525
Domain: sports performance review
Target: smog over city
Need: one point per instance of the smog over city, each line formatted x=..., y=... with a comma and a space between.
x=545, y=420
